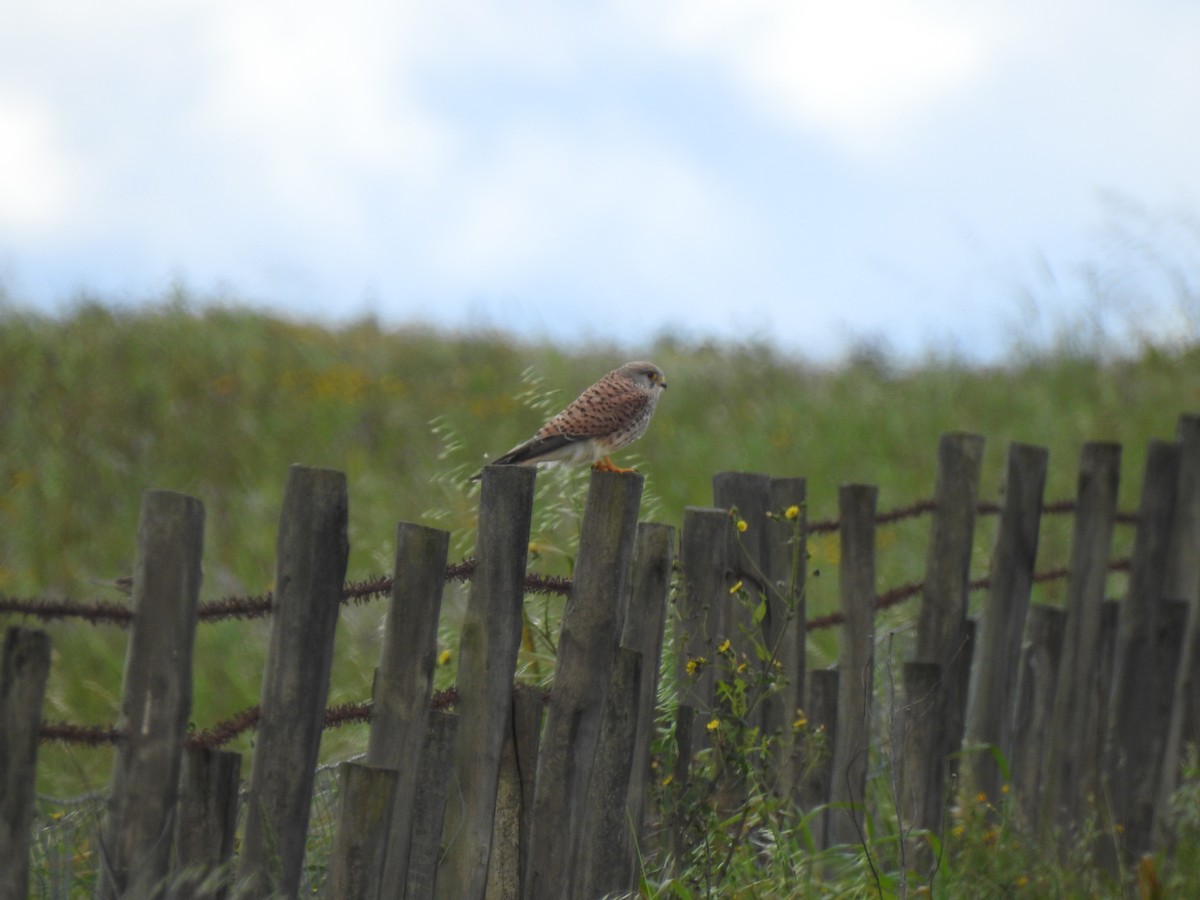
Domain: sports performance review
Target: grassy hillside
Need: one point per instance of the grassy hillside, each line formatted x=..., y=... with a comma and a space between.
x=100, y=406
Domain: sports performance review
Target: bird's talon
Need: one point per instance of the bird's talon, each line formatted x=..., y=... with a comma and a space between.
x=607, y=465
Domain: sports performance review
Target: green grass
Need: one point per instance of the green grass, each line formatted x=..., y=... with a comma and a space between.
x=99, y=406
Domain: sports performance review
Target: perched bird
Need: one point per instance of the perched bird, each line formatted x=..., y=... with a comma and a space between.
x=611, y=414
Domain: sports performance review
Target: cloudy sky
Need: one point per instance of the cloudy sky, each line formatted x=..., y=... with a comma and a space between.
x=809, y=172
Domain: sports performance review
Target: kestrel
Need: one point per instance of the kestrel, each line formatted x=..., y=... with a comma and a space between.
x=611, y=414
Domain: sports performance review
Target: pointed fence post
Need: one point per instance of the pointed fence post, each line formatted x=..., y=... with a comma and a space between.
x=310, y=571
x=487, y=658
x=1072, y=763
x=1135, y=752
x=156, y=698
x=404, y=682
x=856, y=662
x=998, y=652
x=23, y=672
x=591, y=630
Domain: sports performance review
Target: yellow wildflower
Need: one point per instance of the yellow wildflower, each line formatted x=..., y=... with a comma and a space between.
x=801, y=719
x=792, y=512
x=666, y=781
x=444, y=657
x=742, y=525
x=713, y=724
x=737, y=587
x=724, y=648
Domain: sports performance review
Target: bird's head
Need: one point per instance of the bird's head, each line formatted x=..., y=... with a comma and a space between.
x=646, y=374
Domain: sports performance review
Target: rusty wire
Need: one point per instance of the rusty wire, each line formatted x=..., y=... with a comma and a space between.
x=227, y=730
x=257, y=607
x=356, y=713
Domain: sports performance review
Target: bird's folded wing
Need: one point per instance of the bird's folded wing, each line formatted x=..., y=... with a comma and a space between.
x=590, y=416
x=536, y=448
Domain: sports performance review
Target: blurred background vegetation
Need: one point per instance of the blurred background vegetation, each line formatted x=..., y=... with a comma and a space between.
x=99, y=405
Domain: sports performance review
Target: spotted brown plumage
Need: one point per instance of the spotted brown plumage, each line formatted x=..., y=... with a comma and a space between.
x=611, y=414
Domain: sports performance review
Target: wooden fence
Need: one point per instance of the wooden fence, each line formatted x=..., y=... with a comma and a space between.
x=513, y=794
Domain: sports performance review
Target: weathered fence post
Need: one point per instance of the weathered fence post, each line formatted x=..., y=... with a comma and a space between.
x=1135, y=753
x=942, y=636
x=922, y=768
x=1037, y=682
x=207, y=821
x=23, y=673
x=156, y=697
x=768, y=559
x=1072, y=761
x=749, y=494
x=404, y=681
x=821, y=707
x=603, y=868
x=514, y=796
x=1183, y=583
x=994, y=682
x=856, y=662
x=702, y=606
x=649, y=594
x=367, y=798
x=311, y=555
x=429, y=806
x=487, y=658
x=591, y=630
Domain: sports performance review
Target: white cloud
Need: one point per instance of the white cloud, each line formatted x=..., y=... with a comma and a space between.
x=856, y=70
x=36, y=177
x=689, y=159
x=607, y=200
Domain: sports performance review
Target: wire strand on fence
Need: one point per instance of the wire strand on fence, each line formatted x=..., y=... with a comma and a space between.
x=375, y=587
x=99, y=612
x=351, y=713
x=227, y=730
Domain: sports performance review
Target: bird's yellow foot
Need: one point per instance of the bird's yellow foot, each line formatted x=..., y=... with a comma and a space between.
x=606, y=465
